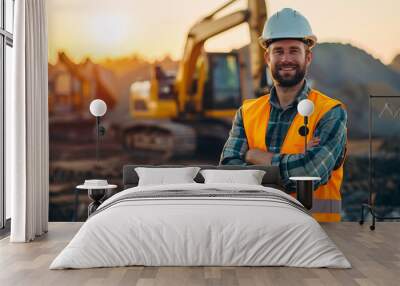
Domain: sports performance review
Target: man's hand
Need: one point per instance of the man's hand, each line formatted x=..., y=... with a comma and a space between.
x=259, y=157
x=313, y=142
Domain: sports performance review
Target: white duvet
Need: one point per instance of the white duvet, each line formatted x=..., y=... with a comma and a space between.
x=200, y=231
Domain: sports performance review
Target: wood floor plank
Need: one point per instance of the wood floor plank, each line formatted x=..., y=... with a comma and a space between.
x=212, y=272
x=131, y=276
x=374, y=255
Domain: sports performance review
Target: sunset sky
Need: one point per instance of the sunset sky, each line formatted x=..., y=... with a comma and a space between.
x=153, y=28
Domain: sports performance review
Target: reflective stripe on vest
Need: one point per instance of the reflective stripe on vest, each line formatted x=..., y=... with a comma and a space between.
x=256, y=112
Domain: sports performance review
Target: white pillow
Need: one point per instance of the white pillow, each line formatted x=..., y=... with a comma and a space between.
x=163, y=176
x=248, y=177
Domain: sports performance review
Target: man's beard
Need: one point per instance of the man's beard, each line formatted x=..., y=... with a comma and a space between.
x=288, y=81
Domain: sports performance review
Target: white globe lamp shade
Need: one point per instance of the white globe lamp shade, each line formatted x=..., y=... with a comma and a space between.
x=305, y=107
x=98, y=107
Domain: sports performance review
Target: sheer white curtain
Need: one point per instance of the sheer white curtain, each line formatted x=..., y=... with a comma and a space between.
x=27, y=154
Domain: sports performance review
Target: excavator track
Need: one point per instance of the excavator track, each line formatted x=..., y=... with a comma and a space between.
x=167, y=139
x=161, y=139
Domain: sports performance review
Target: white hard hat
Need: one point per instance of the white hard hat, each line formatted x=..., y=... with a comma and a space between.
x=287, y=24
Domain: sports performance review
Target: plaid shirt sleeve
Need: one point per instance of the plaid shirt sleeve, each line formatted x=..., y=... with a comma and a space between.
x=235, y=148
x=320, y=160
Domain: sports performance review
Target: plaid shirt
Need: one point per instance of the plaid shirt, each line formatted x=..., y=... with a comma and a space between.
x=319, y=161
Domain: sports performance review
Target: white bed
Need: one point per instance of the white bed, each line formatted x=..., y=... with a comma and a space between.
x=183, y=230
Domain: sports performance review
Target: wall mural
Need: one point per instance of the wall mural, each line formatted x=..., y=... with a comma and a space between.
x=143, y=101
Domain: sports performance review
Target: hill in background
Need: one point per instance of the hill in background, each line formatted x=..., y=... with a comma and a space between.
x=350, y=74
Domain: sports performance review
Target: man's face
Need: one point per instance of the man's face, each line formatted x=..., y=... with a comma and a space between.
x=288, y=61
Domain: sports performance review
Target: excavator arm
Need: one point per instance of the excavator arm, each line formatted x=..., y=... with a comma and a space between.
x=211, y=26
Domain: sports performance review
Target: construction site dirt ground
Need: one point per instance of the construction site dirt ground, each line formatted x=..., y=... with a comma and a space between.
x=72, y=163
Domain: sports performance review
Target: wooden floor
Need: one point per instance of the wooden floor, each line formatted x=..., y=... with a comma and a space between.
x=375, y=256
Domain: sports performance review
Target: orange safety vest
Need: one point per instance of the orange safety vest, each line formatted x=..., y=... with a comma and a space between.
x=255, y=112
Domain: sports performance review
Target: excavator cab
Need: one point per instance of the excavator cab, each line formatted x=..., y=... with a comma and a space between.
x=222, y=88
x=216, y=87
x=215, y=90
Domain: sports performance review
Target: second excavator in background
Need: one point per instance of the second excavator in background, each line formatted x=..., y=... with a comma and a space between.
x=178, y=115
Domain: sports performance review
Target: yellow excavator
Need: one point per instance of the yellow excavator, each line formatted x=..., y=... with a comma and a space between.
x=177, y=115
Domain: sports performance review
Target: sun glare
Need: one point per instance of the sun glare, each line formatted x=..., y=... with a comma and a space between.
x=108, y=33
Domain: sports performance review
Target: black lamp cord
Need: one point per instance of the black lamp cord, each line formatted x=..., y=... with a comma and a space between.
x=97, y=138
x=305, y=134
